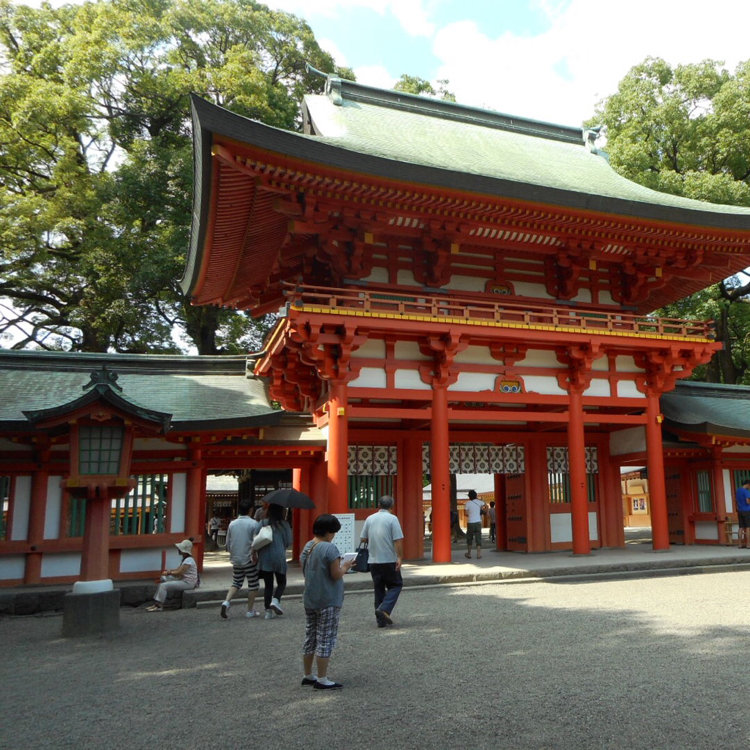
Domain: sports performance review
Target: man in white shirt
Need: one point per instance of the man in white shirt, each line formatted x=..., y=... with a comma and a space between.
x=474, y=510
x=384, y=538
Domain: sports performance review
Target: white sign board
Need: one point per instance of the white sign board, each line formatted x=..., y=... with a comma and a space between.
x=346, y=540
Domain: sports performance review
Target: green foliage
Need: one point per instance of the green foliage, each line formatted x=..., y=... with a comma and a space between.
x=421, y=87
x=686, y=130
x=96, y=159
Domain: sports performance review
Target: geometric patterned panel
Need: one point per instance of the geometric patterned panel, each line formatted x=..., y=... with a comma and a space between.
x=557, y=459
x=373, y=460
x=480, y=458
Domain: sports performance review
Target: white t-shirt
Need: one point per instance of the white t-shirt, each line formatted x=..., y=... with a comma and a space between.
x=381, y=530
x=474, y=511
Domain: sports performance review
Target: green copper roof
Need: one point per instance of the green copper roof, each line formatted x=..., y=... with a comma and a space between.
x=415, y=130
x=198, y=392
x=708, y=408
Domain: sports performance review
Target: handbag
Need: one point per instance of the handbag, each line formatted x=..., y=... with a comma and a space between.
x=362, y=561
x=263, y=538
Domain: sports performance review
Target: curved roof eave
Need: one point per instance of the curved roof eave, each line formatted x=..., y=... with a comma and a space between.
x=210, y=120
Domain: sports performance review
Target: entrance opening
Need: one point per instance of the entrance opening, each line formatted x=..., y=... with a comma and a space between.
x=636, y=505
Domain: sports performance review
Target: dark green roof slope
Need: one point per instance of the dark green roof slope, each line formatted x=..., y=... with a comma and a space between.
x=198, y=392
x=708, y=408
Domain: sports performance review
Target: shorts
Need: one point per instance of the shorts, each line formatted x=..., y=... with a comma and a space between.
x=321, y=631
x=474, y=530
x=743, y=517
x=240, y=572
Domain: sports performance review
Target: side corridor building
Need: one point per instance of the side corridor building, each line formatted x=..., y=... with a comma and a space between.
x=460, y=291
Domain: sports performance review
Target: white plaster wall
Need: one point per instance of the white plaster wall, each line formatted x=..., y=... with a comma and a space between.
x=561, y=528
x=584, y=295
x=137, y=560
x=369, y=377
x=155, y=444
x=737, y=449
x=474, y=381
x=600, y=365
x=728, y=491
x=460, y=283
x=373, y=348
x=630, y=440
x=21, y=508
x=406, y=278
x=628, y=389
x=12, y=567
x=379, y=275
x=605, y=298
x=410, y=379
x=408, y=350
x=179, y=501
x=598, y=387
x=53, y=514
x=707, y=530
x=62, y=564
x=539, y=358
x=475, y=355
x=524, y=289
x=545, y=384
x=626, y=363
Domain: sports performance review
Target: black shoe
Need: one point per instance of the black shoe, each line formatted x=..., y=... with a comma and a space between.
x=332, y=686
x=224, y=608
x=308, y=681
x=383, y=616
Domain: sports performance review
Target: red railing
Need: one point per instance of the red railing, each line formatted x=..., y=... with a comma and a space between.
x=472, y=311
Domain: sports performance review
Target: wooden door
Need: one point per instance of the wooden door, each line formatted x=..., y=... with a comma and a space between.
x=675, y=507
x=516, y=521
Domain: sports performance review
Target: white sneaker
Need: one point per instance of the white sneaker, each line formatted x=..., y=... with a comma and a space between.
x=270, y=614
x=252, y=613
x=276, y=607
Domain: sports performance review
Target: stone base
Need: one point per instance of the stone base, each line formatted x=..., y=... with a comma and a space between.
x=91, y=614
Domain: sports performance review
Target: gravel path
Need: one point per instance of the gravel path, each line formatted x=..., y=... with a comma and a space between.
x=652, y=663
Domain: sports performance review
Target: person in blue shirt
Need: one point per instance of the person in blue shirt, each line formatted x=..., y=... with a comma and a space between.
x=742, y=499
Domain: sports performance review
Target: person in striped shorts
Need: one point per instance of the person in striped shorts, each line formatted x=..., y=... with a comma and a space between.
x=239, y=537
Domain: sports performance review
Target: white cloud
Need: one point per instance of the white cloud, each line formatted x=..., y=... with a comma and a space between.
x=375, y=75
x=560, y=74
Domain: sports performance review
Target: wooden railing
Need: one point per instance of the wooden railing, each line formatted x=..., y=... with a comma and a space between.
x=492, y=312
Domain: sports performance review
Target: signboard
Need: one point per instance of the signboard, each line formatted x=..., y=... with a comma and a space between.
x=346, y=539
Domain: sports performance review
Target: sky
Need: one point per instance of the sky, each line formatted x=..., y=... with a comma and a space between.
x=550, y=60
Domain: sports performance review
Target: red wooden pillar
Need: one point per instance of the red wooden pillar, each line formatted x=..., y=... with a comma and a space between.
x=95, y=555
x=440, y=473
x=717, y=476
x=656, y=482
x=610, y=501
x=577, y=468
x=410, y=501
x=500, y=535
x=338, y=449
x=37, y=512
x=537, y=507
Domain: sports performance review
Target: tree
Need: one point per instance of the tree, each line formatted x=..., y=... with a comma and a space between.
x=686, y=130
x=415, y=85
x=96, y=160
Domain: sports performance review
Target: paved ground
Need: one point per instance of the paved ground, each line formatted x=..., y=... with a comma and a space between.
x=568, y=662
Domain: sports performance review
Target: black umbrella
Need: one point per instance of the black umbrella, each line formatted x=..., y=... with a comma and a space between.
x=289, y=498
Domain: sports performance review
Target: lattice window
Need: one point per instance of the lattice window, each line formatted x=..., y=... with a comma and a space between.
x=365, y=491
x=705, y=492
x=557, y=459
x=480, y=458
x=142, y=511
x=373, y=460
x=558, y=483
x=5, y=499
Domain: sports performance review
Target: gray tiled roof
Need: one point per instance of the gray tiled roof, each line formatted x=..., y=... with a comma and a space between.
x=708, y=408
x=195, y=391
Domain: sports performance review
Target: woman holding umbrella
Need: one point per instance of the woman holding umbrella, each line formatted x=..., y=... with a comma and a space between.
x=272, y=559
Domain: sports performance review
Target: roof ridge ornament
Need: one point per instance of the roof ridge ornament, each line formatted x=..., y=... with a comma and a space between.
x=102, y=379
x=590, y=137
